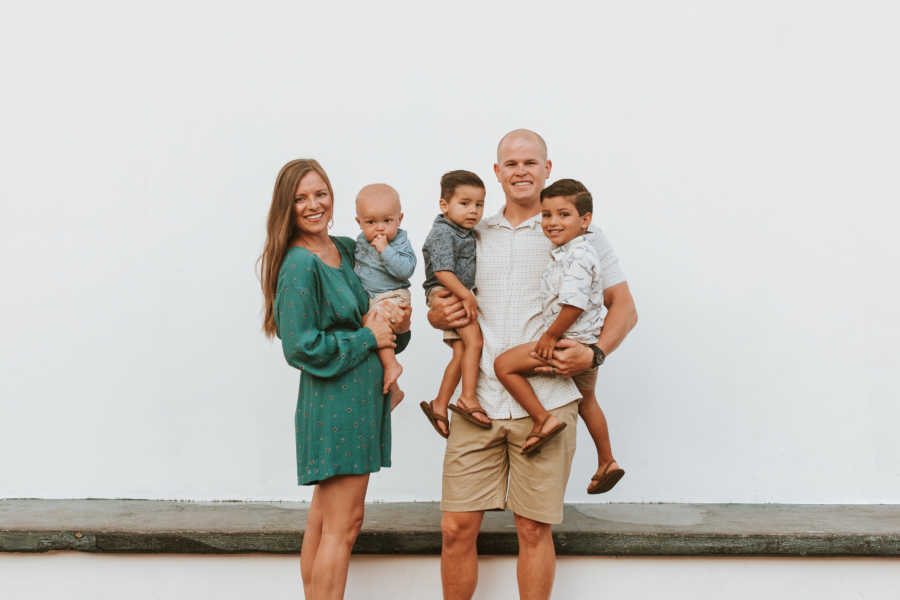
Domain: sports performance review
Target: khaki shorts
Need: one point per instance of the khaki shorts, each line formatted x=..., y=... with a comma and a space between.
x=586, y=381
x=396, y=296
x=479, y=462
x=450, y=335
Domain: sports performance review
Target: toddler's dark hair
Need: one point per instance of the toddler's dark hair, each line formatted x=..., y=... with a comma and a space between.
x=581, y=197
x=450, y=181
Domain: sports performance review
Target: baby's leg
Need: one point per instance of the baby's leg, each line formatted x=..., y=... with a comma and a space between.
x=392, y=371
x=471, y=359
x=511, y=367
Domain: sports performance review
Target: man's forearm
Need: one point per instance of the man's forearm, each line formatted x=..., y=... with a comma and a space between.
x=621, y=318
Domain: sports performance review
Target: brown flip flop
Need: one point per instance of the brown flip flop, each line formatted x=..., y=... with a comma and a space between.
x=605, y=481
x=466, y=413
x=543, y=438
x=433, y=418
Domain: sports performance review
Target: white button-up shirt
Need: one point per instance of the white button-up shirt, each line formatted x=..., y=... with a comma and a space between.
x=510, y=261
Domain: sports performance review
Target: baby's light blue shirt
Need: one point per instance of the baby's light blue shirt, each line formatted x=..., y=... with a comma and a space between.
x=388, y=270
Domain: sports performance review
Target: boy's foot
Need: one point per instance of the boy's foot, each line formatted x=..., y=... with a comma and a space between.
x=606, y=477
x=392, y=373
x=397, y=396
x=473, y=414
x=439, y=421
x=542, y=433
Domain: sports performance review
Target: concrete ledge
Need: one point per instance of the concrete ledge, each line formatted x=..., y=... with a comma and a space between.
x=155, y=526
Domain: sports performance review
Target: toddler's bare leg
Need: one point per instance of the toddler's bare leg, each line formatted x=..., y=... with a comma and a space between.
x=450, y=379
x=511, y=367
x=471, y=359
x=595, y=420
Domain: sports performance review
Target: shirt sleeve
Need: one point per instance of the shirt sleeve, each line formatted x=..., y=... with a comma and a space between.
x=439, y=247
x=322, y=353
x=575, y=289
x=608, y=264
x=399, y=260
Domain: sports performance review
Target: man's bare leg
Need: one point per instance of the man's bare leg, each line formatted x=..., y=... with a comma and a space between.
x=536, y=566
x=459, y=556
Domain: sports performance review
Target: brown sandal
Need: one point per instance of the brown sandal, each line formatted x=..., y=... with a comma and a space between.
x=433, y=418
x=605, y=481
x=467, y=414
x=543, y=438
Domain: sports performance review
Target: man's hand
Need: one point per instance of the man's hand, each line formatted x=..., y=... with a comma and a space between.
x=447, y=311
x=545, y=345
x=380, y=242
x=569, y=358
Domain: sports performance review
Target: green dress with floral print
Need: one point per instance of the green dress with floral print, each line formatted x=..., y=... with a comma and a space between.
x=342, y=421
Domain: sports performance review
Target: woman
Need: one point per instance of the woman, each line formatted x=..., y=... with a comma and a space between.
x=317, y=306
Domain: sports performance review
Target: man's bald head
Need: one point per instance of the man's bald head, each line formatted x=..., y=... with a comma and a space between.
x=380, y=194
x=521, y=134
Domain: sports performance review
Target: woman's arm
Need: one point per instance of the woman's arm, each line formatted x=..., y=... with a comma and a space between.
x=323, y=353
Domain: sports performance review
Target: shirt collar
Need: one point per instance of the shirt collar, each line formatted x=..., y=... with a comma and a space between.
x=458, y=229
x=499, y=220
x=576, y=241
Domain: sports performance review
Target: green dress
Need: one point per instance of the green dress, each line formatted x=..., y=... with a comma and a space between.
x=342, y=421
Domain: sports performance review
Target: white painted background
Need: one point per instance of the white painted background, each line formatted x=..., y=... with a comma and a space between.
x=743, y=156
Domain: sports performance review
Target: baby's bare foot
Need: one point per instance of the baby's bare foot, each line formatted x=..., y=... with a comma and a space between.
x=397, y=396
x=391, y=375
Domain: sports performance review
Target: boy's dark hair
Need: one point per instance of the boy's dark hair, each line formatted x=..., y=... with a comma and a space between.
x=450, y=181
x=582, y=199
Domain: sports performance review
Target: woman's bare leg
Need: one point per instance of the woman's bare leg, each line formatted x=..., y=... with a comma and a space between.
x=511, y=367
x=342, y=502
x=311, y=538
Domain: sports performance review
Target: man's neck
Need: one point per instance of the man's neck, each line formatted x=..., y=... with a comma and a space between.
x=516, y=212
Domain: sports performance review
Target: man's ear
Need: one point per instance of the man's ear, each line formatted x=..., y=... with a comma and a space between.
x=497, y=171
x=549, y=167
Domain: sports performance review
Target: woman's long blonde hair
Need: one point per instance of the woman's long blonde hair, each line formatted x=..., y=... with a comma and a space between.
x=280, y=230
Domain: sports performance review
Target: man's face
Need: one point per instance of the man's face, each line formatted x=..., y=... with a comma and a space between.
x=522, y=169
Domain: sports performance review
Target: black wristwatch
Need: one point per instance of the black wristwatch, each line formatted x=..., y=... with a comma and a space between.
x=599, y=356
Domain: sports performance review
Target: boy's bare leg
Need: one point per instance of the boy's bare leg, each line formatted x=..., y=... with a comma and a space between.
x=511, y=368
x=595, y=420
x=449, y=381
x=471, y=359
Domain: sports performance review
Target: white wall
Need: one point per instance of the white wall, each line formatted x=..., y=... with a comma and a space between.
x=76, y=576
x=743, y=157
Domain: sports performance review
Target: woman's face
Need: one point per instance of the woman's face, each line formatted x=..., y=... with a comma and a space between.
x=313, y=205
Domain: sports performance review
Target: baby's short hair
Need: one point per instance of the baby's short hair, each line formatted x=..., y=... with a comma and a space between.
x=581, y=197
x=450, y=181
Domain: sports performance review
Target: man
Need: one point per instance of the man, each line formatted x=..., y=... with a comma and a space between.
x=484, y=469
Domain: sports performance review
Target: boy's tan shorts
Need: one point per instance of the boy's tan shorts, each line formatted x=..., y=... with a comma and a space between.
x=450, y=335
x=479, y=462
x=586, y=381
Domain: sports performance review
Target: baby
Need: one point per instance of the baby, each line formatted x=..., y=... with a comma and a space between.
x=384, y=263
x=572, y=306
x=449, y=253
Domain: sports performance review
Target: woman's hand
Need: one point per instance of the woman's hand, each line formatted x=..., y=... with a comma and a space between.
x=569, y=358
x=384, y=335
x=447, y=311
x=397, y=315
x=545, y=346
